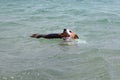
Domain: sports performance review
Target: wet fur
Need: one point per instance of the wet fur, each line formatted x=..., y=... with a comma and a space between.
x=56, y=35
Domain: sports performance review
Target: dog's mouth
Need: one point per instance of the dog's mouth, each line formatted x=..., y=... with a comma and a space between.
x=66, y=38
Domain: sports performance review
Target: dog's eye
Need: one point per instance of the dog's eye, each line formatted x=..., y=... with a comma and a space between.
x=70, y=31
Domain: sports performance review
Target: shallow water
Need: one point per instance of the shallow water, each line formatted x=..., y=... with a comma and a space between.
x=95, y=56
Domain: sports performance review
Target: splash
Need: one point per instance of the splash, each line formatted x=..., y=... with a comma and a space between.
x=74, y=42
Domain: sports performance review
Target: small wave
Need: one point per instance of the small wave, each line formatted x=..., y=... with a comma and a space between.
x=81, y=41
x=41, y=11
x=76, y=42
x=11, y=23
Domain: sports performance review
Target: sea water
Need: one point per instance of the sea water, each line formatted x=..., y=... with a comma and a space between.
x=95, y=56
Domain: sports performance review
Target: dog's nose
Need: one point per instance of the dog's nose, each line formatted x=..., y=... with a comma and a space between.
x=65, y=29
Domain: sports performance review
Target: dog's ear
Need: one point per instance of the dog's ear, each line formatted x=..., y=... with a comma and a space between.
x=76, y=36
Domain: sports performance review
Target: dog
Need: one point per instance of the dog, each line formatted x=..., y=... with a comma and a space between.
x=66, y=35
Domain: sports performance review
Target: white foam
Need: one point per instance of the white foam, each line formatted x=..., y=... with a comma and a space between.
x=73, y=42
x=79, y=41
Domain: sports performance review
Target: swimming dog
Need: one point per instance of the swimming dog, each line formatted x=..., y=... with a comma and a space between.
x=65, y=35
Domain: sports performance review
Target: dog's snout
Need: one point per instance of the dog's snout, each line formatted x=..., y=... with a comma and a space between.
x=65, y=29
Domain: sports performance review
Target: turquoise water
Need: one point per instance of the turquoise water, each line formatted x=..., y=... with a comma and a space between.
x=96, y=56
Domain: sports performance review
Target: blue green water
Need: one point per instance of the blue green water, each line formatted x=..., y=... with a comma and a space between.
x=95, y=57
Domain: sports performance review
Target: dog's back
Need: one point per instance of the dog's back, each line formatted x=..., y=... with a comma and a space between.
x=65, y=35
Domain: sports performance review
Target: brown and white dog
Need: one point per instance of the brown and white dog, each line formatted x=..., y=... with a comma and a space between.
x=66, y=35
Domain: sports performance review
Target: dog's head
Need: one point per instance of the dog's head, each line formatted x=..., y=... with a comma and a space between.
x=68, y=35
